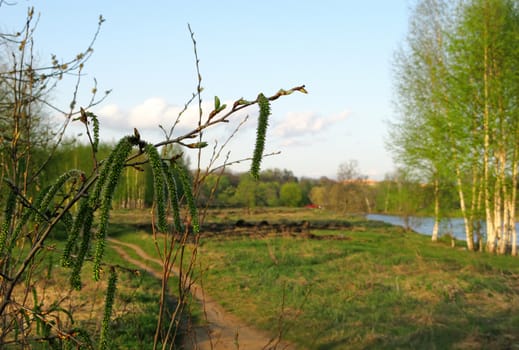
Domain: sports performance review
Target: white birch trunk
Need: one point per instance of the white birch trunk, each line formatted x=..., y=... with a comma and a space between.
x=491, y=233
x=466, y=221
x=512, y=207
x=434, y=235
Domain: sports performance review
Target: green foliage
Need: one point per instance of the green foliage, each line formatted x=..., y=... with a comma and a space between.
x=291, y=194
x=8, y=217
x=173, y=196
x=218, y=107
x=188, y=193
x=104, y=192
x=67, y=221
x=109, y=303
x=50, y=194
x=457, y=87
x=261, y=132
x=268, y=193
x=80, y=335
x=73, y=233
x=36, y=211
x=87, y=218
x=158, y=186
x=28, y=213
x=73, y=155
x=245, y=194
x=95, y=122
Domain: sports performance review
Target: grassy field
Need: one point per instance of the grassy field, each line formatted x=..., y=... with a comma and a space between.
x=374, y=287
x=135, y=309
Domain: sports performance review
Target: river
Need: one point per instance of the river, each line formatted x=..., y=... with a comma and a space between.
x=424, y=225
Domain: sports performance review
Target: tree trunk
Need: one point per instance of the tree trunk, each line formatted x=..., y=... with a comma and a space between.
x=513, y=197
x=434, y=235
x=489, y=214
x=468, y=222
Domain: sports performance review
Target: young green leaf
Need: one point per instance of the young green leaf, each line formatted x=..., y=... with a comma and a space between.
x=197, y=145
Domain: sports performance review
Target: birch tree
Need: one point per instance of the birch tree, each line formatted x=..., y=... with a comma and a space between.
x=484, y=97
x=416, y=138
x=457, y=88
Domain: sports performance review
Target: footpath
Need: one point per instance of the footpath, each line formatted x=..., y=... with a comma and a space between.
x=222, y=330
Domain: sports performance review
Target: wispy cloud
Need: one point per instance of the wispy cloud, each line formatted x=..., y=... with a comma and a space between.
x=153, y=112
x=295, y=129
x=149, y=114
x=297, y=125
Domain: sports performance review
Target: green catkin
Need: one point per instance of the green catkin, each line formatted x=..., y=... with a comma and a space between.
x=158, y=186
x=173, y=197
x=95, y=194
x=37, y=310
x=95, y=123
x=116, y=166
x=75, y=277
x=52, y=190
x=28, y=214
x=188, y=193
x=42, y=203
x=8, y=216
x=68, y=221
x=261, y=132
x=109, y=303
x=78, y=339
x=73, y=235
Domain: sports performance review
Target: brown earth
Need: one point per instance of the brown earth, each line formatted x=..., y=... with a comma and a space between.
x=222, y=331
x=258, y=229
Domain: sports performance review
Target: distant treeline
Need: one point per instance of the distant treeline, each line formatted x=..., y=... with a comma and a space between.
x=275, y=187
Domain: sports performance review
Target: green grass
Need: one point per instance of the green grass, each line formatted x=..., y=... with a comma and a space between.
x=380, y=288
x=134, y=325
x=135, y=310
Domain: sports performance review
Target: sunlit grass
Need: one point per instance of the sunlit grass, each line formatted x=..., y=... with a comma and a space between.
x=379, y=287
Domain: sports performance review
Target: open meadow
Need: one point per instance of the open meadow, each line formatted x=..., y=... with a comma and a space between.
x=322, y=282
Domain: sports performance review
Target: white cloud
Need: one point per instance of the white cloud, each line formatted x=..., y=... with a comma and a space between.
x=151, y=113
x=293, y=142
x=111, y=114
x=339, y=116
x=154, y=111
x=297, y=125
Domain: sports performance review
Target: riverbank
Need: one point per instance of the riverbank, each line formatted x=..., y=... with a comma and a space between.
x=424, y=225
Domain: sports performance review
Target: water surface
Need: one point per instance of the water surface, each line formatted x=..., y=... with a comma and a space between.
x=424, y=225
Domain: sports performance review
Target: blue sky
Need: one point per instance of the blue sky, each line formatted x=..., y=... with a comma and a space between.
x=341, y=51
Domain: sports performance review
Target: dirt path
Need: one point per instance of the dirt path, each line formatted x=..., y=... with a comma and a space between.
x=223, y=330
